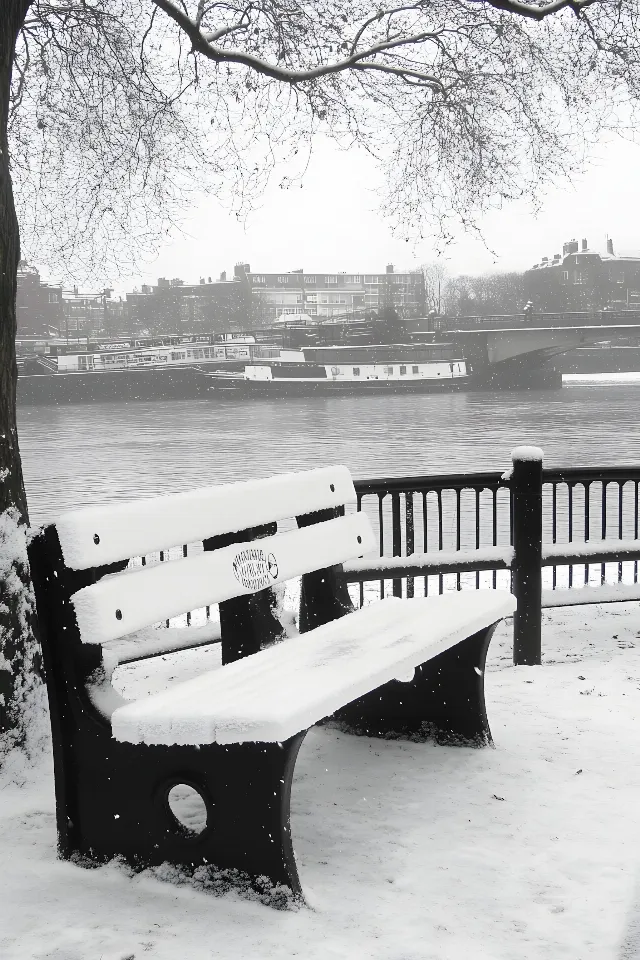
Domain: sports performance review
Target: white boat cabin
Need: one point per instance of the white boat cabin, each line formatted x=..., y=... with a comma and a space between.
x=175, y=354
x=354, y=373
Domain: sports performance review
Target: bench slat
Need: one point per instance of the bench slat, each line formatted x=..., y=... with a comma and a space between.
x=286, y=688
x=121, y=603
x=100, y=535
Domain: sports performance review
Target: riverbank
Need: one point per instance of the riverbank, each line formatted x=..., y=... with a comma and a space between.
x=408, y=851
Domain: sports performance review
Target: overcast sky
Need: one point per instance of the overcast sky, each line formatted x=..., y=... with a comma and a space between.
x=332, y=223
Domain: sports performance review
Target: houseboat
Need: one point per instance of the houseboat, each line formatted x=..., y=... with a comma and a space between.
x=172, y=371
x=203, y=356
x=381, y=368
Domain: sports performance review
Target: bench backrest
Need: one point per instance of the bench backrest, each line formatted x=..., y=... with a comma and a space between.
x=97, y=536
x=124, y=601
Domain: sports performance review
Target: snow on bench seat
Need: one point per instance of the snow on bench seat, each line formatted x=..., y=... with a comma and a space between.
x=100, y=535
x=274, y=694
x=122, y=603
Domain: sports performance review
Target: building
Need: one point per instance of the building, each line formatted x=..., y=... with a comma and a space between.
x=334, y=294
x=38, y=304
x=584, y=279
x=47, y=310
x=86, y=314
x=175, y=307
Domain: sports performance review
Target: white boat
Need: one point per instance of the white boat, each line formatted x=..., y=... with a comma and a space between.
x=350, y=370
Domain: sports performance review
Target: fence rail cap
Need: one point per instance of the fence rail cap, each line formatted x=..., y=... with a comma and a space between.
x=527, y=453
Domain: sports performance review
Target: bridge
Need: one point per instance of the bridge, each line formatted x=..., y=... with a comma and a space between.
x=510, y=355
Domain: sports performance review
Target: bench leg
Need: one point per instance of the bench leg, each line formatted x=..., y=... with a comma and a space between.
x=117, y=806
x=444, y=700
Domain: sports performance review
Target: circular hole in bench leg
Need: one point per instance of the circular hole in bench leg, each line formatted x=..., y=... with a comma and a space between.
x=187, y=808
x=406, y=676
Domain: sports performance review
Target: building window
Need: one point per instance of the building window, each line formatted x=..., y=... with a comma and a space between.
x=414, y=369
x=389, y=371
x=580, y=277
x=403, y=371
x=565, y=274
x=356, y=371
x=309, y=279
x=332, y=279
x=283, y=279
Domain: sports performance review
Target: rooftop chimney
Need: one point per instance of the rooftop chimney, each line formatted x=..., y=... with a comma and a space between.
x=610, y=247
x=584, y=244
x=389, y=268
x=570, y=247
x=223, y=276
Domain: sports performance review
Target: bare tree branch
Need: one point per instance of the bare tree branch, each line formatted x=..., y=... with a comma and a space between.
x=539, y=11
x=465, y=105
x=204, y=44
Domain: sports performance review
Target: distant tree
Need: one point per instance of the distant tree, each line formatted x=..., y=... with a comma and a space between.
x=485, y=295
x=435, y=281
x=116, y=113
x=392, y=325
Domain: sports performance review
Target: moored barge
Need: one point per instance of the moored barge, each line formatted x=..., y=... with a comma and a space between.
x=382, y=368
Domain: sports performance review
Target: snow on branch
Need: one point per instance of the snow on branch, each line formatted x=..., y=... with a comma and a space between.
x=359, y=58
x=204, y=43
x=538, y=11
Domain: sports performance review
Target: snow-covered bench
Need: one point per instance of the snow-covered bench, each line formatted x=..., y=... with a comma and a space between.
x=233, y=733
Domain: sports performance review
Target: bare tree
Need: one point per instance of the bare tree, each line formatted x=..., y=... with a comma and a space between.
x=116, y=112
x=435, y=281
x=485, y=295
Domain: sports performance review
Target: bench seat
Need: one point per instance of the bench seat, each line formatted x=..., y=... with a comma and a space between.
x=287, y=688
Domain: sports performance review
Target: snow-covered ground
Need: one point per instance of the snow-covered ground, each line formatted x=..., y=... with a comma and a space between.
x=407, y=851
x=577, y=378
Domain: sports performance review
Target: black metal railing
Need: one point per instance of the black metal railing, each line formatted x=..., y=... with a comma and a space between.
x=549, y=535
x=431, y=514
x=437, y=515
x=588, y=504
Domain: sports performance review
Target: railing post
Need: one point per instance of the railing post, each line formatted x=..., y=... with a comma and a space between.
x=526, y=570
x=396, y=537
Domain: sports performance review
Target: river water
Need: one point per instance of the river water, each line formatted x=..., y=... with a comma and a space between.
x=74, y=455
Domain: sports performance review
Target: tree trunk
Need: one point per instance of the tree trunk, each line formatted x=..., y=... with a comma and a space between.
x=19, y=657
